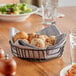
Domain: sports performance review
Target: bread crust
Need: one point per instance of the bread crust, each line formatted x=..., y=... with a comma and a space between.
x=20, y=35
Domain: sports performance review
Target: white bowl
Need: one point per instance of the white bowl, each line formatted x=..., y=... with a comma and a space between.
x=20, y=17
x=64, y=70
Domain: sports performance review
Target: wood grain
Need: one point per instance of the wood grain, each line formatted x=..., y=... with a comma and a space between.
x=8, y=1
x=33, y=24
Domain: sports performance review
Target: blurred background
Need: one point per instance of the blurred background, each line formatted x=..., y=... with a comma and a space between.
x=61, y=3
x=67, y=3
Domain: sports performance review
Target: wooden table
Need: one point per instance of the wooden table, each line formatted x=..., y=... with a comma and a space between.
x=9, y=1
x=32, y=24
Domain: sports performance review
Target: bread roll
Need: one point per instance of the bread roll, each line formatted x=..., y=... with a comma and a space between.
x=38, y=42
x=50, y=41
x=31, y=36
x=20, y=35
x=43, y=37
x=25, y=40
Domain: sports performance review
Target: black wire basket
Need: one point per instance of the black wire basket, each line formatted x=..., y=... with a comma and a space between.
x=40, y=55
x=35, y=55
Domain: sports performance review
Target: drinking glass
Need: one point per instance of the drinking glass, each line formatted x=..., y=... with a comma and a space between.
x=73, y=45
x=49, y=11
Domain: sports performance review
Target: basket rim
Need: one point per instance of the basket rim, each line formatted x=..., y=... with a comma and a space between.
x=22, y=47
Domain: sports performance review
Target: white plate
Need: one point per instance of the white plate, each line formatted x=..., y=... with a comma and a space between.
x=20, y=17
x=64, y=70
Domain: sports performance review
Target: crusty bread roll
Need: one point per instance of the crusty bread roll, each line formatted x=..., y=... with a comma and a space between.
x=31, y=36
x=25, y=40
x=38, y=42
x=20, y=35
x=50, y=41
x=43, y=37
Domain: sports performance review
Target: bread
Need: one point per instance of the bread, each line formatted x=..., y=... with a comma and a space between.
x=20, y=35
x=43, y=37
x=50, y=41
x=25, y=40
x=38, y=42
x=31, y=36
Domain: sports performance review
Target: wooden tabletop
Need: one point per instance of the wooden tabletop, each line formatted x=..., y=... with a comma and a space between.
x=8, y=1
x=33, y=24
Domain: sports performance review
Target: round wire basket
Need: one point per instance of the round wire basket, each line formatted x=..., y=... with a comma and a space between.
x=33, y=54
x=36, y=55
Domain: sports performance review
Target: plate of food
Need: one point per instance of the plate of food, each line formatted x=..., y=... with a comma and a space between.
x=16, y=12
x=69, y=70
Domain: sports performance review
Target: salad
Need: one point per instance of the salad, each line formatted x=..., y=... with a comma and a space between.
x=15, y=9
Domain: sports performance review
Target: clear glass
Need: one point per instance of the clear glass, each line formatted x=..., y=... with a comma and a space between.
x=73, y=45
x=49, y=11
